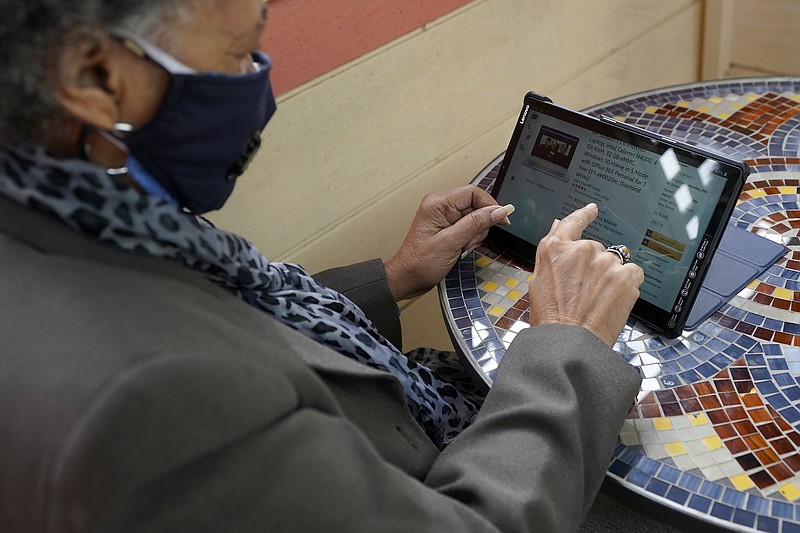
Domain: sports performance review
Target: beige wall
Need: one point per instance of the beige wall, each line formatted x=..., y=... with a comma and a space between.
x=349, y=155
x=764, y=38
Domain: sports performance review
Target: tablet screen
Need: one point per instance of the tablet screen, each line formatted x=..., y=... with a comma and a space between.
x=663, y=200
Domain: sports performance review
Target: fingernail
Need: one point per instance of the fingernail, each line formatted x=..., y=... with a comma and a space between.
x=592, y=205
x=555, y=224
x=502, y=212
x=465, y=254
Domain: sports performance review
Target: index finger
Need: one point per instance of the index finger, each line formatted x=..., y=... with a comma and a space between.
x=571, y=227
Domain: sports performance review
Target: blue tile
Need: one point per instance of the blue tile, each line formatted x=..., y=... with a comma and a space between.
x=776, y=364
x=782, y=509
x=678, y=495
x=734, y=498
x=760, y=374
x=720, y=361
x=791, y=414
x=707, y=370
x=631, y=456
x=784, y=380
x=669, y=473
x=789, y=527
x=720, y=510
x=699, y=503
x=744, y=518
x=772, y=349
x=765, y=523
x=648, y=466
x=669, y=381
x=689, y=482
x=792, y=393
x=711, y=489
x=619, y=468
x=745, y=341
x=656, y=486
x=689, y=376
x=638, y=478
x=757, y=504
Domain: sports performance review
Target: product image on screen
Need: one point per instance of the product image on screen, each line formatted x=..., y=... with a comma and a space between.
x=663, y=203
x=552, y=152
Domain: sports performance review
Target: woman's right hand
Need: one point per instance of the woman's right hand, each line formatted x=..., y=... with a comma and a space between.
x=577, y=282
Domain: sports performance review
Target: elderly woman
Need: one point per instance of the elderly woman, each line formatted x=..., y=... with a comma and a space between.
x=159, y=374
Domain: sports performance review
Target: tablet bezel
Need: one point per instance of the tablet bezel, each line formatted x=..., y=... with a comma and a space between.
x=669, y=323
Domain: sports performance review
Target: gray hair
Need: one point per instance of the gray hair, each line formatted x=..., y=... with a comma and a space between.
x=32, y=34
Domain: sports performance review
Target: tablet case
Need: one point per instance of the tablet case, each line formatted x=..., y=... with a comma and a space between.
x=740, y=258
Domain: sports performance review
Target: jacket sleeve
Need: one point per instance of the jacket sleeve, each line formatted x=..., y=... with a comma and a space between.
x=365, y=284
x=532, y=460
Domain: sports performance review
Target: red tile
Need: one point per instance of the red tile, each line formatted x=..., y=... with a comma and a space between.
x=736, y=446
x=793, y=462
x=783, y=446
x=762, y=479
x=780, y=472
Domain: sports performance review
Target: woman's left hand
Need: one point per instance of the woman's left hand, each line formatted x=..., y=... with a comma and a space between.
x=446, y=225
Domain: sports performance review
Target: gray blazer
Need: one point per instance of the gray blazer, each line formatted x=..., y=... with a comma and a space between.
x=137, y=396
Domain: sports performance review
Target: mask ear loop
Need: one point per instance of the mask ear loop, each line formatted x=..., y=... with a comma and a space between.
x=120, y=129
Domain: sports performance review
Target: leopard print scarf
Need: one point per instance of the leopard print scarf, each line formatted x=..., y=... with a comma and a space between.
x=85, y=198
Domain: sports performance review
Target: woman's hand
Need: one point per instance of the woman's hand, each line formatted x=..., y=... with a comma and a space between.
x=446, y=225
x=577, y=282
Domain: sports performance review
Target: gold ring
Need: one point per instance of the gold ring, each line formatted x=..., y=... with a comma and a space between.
x=622, y=251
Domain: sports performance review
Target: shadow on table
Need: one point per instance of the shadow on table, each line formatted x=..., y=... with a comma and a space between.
x=620, y=510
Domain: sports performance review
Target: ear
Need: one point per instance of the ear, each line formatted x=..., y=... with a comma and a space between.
x=90, y=76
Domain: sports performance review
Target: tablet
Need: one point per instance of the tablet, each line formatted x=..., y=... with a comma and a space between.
x=668, y=201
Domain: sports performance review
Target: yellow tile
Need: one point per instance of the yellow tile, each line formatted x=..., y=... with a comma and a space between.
x=512, y=282
x=620, y=118
x=783, y=294
x=756, y=193
x=790, y=491
x=662, y=423
x=742, y=482
x=724, y=116
x=751, y=96
x=703, y=109
x=490, y=286
x=712, y=443
x=675, y=448
x=683, y=103
x=796, y=98
x=651, y=109
x=785, y=189
x=497, y=311
x=715, y=99
x=753, y=284
x=514, y=295
x=699, y=419
x=483, y=262
x=529, y=278
x=737, y=106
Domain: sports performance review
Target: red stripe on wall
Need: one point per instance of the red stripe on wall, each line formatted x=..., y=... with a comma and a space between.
x=308, y=38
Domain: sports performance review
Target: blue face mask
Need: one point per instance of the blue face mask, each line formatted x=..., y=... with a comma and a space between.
x=205, y=132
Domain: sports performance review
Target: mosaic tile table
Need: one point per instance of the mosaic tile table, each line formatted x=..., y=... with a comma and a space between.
x=715, y=431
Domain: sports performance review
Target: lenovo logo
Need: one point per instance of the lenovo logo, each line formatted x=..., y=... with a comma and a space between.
x=524, y=114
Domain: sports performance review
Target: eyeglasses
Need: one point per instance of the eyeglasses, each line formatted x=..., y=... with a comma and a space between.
x=151, y=52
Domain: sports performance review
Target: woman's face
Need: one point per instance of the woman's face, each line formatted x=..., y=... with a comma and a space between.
x=219, y=35
x=107, y=84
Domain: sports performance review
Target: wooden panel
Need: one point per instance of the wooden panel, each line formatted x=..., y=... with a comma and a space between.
x=765, y=36
x=307, y=39
x=717, y=38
